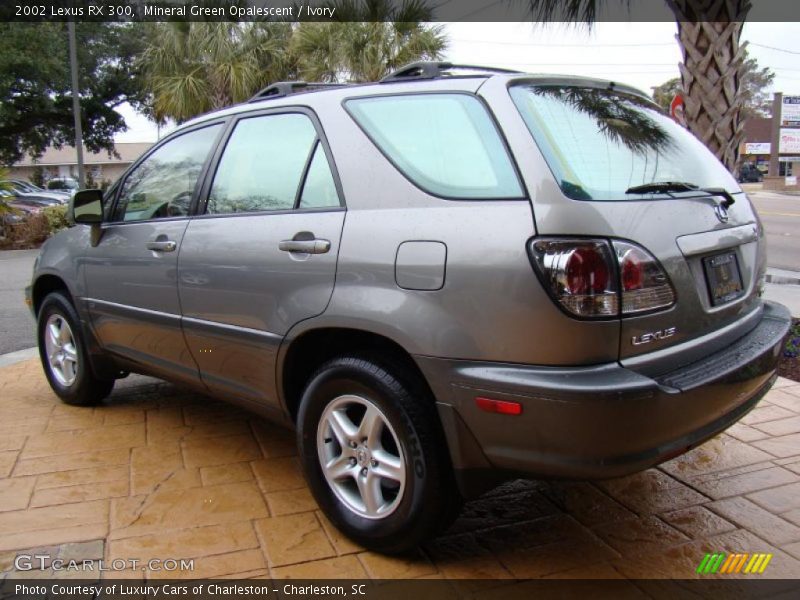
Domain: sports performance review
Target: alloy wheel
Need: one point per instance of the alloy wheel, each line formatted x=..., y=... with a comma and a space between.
x=361, y=457
x=61, y=349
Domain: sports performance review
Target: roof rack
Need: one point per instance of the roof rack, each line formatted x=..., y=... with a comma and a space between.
x=434, y=70
x=287, y=88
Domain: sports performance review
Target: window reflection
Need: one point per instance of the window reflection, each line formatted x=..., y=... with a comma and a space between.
x=163, y=184
x=600, y=142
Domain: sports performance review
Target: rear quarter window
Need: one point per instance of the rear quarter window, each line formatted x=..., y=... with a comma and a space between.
x=446, y=144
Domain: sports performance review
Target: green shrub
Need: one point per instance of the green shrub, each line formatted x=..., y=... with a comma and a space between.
x=35, y=228
x=56, y=218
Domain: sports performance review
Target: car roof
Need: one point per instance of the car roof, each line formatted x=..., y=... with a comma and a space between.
x=311, y=95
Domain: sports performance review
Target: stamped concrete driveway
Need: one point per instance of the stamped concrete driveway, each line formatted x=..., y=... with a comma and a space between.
x=158, y=472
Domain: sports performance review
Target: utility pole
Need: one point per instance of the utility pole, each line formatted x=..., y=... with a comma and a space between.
x=76, y=101
x=775, y=137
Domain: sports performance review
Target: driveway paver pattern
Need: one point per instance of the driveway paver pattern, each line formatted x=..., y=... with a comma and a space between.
x=158, y=472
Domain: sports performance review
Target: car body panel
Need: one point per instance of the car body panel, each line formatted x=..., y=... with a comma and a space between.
x=240, y=293
x=132, y=294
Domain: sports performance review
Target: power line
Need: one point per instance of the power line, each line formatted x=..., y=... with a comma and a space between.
x=548, y=45
x=572, y=64
x=774, y=48
x=590, y=46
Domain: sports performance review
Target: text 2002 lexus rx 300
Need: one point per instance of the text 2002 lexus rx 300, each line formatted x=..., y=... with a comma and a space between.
x=441, y=280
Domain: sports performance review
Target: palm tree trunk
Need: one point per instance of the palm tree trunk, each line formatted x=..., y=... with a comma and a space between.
x=708, y=33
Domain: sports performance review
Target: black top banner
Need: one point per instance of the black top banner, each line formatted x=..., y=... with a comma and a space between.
x=394, y=10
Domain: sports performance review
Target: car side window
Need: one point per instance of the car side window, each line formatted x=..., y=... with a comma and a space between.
x=319, y=189
x=445, y=143
x=263, y=166
x=163, y=184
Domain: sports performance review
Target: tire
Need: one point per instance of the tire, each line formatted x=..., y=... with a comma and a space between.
x=69, y=373
x=415, y=496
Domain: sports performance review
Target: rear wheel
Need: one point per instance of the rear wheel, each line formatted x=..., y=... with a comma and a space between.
x=63, y=354
x=374, y=456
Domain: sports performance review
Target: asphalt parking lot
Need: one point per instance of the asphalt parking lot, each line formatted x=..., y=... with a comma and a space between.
x=16, y=321
x=158, y=472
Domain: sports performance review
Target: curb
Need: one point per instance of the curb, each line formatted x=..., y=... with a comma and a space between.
x=12, y=358
x=782, y=279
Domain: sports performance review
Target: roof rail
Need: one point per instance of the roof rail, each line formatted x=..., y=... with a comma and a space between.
x=434, y=70
x=287, y=88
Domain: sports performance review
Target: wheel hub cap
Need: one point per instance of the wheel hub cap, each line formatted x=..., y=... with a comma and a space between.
x=61, y=350
x=361, y=457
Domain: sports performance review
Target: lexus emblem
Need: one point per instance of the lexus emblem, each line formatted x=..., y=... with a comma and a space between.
x=721, y=212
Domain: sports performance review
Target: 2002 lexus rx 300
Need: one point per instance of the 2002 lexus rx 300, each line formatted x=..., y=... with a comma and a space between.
x=441, y=280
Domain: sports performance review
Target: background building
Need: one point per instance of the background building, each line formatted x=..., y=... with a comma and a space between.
x=100, y=166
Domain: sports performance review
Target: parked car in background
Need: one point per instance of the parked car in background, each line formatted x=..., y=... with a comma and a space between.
x=36, y=203
x=66, y=184
x=22, y=186
x=443, y=280
x=15, y=214
x=18, y=210
x=28, y=203
x=749, y=173
x=25, y=189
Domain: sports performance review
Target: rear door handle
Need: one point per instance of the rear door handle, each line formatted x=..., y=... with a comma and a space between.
x=162, y=246
x=314, y=246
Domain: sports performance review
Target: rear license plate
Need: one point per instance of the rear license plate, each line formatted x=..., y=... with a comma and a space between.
x=723, y=278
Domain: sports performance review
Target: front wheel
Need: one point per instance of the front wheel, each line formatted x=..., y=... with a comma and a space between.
x=374, y=456
x=63, y=354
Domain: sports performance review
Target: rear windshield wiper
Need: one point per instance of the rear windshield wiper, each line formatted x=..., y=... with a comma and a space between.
x=662, y=186
x=680, y=186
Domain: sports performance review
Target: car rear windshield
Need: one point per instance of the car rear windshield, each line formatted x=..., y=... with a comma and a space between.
x=446, y=144
x=601, y=142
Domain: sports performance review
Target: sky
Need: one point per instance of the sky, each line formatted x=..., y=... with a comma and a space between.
x=642, y=54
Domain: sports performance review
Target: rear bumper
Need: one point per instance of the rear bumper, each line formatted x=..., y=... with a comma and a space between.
x=600, y=421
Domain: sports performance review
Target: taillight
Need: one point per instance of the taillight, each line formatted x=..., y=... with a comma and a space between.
x=593, y=278
x=579, y=275
x=645, y=286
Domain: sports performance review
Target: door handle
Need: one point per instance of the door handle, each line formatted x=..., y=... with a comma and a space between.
x=162, y=246
x=313, y=246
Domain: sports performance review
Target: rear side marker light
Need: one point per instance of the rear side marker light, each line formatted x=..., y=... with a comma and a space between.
x=597, y=278
x=502, y=407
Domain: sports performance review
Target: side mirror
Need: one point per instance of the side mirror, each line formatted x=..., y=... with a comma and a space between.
x=86, y=207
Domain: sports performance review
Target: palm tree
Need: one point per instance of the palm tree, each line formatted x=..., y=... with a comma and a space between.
x=192, y=68
x=711, y=70
x=369, y=39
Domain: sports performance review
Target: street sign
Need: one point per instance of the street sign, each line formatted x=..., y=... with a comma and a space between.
x=677, y=110
x=790, y=112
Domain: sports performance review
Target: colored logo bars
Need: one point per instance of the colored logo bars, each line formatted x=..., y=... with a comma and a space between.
x=720, y=562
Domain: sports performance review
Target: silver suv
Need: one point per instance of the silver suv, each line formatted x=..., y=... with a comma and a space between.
x=442, y=280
